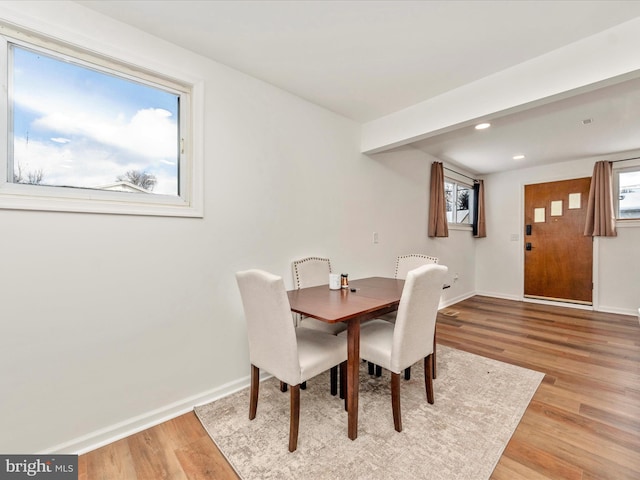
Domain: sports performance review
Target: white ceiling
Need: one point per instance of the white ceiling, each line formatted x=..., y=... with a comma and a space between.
x=366, y=59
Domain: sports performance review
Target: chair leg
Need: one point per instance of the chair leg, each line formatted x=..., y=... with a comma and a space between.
x=428, y=380
x=378, y=371
x=371, y=368
x=294, y=420
x=253, y=397
x=334, y=380
x=407, y=373
x=303, y=385
x=343, y=383
x=283, y=387
x=395, y=401
x=433, y=374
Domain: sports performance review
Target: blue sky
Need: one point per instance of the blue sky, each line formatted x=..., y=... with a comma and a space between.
x=84, y=128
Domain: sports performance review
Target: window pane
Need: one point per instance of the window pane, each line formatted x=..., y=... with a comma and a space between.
x=463, y=204
x=629, y=195
x=75, y=126
x=449, y=194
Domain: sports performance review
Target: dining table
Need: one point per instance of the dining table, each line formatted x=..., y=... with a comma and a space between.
x=363, y=299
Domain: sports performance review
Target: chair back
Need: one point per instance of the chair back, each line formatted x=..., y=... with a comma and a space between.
x=311, y=271
x=416, y=319
x=406, y=263
x=272, y=338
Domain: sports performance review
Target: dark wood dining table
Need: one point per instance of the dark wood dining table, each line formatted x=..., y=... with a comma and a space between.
x=364, y=299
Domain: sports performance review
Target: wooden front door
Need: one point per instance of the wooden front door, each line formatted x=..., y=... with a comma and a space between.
x=558, y=258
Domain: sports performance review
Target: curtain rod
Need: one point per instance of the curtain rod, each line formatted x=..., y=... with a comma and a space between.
x=467, y=176
x=624, y=159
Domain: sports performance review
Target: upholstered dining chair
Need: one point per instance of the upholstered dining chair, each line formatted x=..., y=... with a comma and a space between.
x=396, y=346
x=404, y=264
x=311, y=272
x=292, y=355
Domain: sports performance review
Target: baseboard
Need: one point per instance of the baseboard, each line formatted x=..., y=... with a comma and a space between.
x=118, y=431
x=517, y=298
x=620, y=311
x=601, y=308
x=451, y=301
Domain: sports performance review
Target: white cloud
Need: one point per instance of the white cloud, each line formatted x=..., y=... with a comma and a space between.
x=66, y=164
x=149, y=133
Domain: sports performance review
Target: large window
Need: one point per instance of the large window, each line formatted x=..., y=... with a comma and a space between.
x=84, y=133
x=459, y=202
x=628, y=189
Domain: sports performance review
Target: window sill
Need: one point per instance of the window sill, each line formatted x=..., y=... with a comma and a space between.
x=635, y=222
x=19, y=197
x=459, y=226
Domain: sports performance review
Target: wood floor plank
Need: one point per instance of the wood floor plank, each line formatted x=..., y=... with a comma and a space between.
x=110, y=462
x=154, y=456
x=199, y=464
x=582, y=423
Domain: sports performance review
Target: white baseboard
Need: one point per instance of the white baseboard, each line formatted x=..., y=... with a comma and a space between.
x=451, y=301
x=621, y=311
x=499, y=295
x=118, y=431
x=601, y=308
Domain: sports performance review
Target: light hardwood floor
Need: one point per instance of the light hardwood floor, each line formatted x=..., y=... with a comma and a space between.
x=582, y=423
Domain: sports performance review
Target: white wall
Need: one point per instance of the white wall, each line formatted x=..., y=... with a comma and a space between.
x=111, y=322
x=397, y=236
x=500, y=261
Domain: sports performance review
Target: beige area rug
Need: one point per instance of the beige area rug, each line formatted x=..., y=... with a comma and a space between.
x=478, y=405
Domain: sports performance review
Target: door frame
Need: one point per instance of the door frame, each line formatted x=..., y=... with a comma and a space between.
x=595, y=302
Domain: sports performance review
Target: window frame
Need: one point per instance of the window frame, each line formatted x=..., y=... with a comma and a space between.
x=189, y=200
x=624, y=167
x=452, y=178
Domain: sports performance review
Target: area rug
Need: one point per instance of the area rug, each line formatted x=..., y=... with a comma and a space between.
x=478, y=405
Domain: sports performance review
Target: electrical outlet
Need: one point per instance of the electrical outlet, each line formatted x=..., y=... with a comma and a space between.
x=456, y=277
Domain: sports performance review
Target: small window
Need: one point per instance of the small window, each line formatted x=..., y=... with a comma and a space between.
x=460, y=204
x=86, y=133
x=628, y=188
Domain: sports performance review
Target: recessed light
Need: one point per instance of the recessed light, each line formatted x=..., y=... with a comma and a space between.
x=482, y=126
x=518, y=157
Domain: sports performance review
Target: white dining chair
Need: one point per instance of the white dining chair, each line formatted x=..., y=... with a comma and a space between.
x=404, y=264
x=292, y=355
x=312, y=272
x=396, y=346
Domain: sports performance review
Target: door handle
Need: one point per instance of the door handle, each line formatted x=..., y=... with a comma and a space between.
x=528, y=246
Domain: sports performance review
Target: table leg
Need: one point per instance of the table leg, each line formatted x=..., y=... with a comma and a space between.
x=353, y=375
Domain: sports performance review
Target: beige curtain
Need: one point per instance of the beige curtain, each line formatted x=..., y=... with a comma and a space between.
x=601, y=219
x=479, y=226
x=438, y=226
